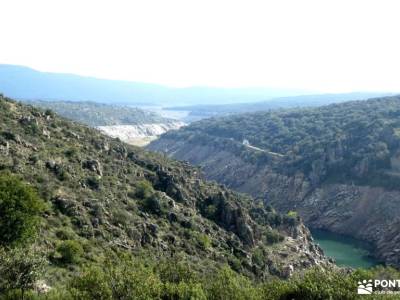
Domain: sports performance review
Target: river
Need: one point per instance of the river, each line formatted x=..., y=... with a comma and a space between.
x=345, y=250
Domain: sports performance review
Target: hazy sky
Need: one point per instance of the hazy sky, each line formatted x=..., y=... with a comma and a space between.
x=330, y=46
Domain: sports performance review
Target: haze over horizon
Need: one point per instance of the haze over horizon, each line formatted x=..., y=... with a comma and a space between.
x=316, y=46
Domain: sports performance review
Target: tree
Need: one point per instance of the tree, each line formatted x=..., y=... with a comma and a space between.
x=20, y=268
x=20, y=209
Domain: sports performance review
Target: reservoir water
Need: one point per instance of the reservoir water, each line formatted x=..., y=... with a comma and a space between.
x=345, y=250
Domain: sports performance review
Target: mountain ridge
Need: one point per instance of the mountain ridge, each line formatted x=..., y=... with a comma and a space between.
x=28, y=84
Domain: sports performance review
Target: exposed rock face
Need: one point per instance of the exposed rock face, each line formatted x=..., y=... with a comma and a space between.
x=140, y=134
x=368, y=213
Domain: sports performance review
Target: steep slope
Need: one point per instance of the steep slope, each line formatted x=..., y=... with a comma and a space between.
x=338, y=165
x=107, y=195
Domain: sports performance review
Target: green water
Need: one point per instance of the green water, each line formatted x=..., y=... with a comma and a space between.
x=345, y=250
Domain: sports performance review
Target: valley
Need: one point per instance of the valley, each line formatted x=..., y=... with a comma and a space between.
x=338, y=169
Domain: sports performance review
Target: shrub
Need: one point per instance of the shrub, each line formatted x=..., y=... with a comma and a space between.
x=210, y=211
x=70, y=251
x=273, y=236
x=258, y=257
x=175, y=270
x=90, y=284
x=65, y=233
x=227, y=284
x=184, y=290
x=71, y=152
x=20, y=209
x=202, y=240
x=120, y=278
x=93, y=183
x=144, y=189
x=154, y=205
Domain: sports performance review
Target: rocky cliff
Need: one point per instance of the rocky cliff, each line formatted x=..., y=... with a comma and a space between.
x=347, y=184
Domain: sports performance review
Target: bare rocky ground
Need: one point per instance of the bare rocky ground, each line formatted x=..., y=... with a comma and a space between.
x=140, y=135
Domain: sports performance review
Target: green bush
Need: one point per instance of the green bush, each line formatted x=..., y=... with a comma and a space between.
x=227, y=284
x=202, y=240
x=65, y=233
x=90, y=284
x=20, y=209
x=120, y=278
x=273, y=237
x=175, y=271
x=154, y=205
x=184, y=290
x=144, y=189
x=70, y=251
x=93, y=183
x=210, y=211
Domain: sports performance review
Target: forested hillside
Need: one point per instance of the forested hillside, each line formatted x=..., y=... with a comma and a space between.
x=336, y=165
x=356, y=140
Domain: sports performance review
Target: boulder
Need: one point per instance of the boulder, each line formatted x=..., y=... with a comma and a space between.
x=93, y=165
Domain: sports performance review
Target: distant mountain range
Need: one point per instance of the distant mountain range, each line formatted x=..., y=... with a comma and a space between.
x=26, y=83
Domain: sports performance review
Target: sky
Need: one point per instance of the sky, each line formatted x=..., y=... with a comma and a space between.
x=319, y=45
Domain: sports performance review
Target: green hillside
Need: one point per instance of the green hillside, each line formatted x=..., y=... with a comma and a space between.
x=354, y=140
